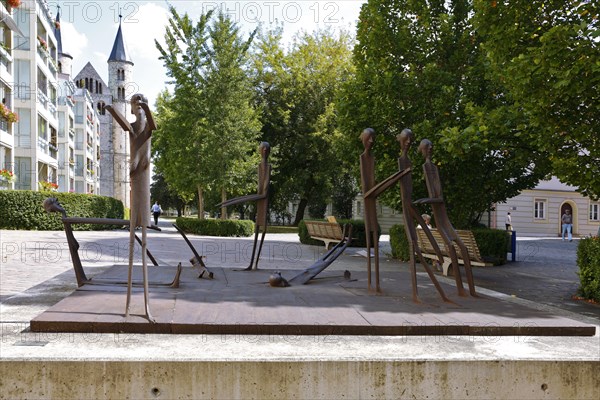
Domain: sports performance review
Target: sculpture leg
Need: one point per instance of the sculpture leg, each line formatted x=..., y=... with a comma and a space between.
x=456, y=267
x=145, y=273
x=130, y=270
x=432, y=276
x=262, y=239
x=468, y=271
x=368, y=236
x=376, y=251
x=412, y=247
x=253, y=248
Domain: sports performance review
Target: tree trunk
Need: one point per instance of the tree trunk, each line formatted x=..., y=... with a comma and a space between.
x=223, y=199
x=300, y=211
x=200, y=203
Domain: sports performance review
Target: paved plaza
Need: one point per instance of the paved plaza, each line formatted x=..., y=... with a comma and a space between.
x=36, y=273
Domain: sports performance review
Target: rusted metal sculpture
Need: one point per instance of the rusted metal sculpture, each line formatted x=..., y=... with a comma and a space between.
x=140, y=132
x=262, y=202
x=325, y=261
x=371, y=191
x=52, y=205
x=410, y=214
x=444, y=226
x=196, y=261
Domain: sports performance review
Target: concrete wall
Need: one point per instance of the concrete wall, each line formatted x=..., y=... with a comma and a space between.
x=302, y=379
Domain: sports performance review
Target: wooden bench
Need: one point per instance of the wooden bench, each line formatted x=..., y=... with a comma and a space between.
x=328, y=232
x=467, y=238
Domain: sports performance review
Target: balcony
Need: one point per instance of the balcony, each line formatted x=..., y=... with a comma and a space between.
x=43, y=145
x=5, y=58
x=3, y=125
x=71, y=135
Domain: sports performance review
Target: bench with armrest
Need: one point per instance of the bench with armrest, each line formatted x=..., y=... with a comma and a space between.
x=467, y=238
x=328, y=232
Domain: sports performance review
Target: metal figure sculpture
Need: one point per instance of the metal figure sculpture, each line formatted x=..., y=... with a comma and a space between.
x=262, y=202
x=140, y=132
x=196, y=261
x=410, y=214
x=444, y=226
x=371, y=191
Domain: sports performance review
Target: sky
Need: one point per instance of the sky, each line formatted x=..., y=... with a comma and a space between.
x=89, y=28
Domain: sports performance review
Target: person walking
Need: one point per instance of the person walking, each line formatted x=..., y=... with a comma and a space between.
x=508, y=222
x=156, y=211
x=567, y=225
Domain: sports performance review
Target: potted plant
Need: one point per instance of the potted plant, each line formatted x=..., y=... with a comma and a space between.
x=7, y=175
x=48, y=186
x=8, y=114
x=14, y=3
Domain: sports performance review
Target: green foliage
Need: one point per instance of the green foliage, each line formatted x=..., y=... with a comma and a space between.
x=282, y=229
x=493, y=244
x=216, y=227
x=588, y=261
x=297, y=92
x=358, y=233
x=24, y=210
x=399, y=243
x=419, y=64
x=544, y=57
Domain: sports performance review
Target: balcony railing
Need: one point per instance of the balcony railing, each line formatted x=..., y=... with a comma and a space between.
x=43, y=145
x=3, y=125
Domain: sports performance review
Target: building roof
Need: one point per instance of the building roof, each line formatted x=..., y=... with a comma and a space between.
x=88, y=71
x=58, y=35
x=555, y=184
x=119, y=51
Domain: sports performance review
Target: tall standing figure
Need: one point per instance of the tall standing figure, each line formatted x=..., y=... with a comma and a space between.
x=262, y=202
x=444, y=226
x=410, y=214
x=140, y=132
x=371, y=191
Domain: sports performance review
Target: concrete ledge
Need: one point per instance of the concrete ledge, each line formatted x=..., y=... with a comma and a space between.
x=302, y=379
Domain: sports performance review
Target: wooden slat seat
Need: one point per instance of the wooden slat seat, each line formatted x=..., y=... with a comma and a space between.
x=328, y=232
x=467, y=238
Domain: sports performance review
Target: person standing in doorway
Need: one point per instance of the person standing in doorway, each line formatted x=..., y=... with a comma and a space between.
x=156, y=211
x=567, y=224
x=508, y=222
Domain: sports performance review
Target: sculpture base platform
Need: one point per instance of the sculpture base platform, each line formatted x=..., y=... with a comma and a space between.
x=239, y=302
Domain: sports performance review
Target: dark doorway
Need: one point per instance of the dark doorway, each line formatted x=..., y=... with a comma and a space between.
x=563, y=208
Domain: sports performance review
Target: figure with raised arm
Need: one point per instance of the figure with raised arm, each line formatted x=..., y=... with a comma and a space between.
x=371, y=191
x=444, y=226
x=410, y=214
x=140, y=132
x=262, y=202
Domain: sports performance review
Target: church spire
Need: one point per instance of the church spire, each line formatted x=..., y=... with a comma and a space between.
x=119, y=51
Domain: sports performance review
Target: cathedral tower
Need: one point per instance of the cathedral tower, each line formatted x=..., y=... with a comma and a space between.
x=120, y=83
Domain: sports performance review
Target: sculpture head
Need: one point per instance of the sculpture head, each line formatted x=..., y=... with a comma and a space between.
x=368, y=138
x=135, y=101
x=405, y=138
x=426, y=148
x=264, y=149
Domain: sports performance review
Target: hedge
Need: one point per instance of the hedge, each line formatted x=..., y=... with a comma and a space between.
x=588, y=261
x=216, y=227
x=23, y=209
x=358, y=233
x=492, y=244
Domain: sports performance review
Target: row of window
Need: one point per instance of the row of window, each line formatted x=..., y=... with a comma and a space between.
x=541, y=205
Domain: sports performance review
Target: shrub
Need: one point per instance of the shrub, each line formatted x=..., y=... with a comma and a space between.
x=22, y=209
x=588, y=261
x=216, y=227
x=399, y=243
x=492, y=244
x=358, y=233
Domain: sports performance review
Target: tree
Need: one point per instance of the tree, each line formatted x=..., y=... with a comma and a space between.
x=209, y=126
x=419, y=65
x=546, y=56
x=297, y=93
x=161, y=192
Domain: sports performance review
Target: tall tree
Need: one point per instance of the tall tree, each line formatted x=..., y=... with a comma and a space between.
x=546, y=55
x=419, y=65
x=297, y=93
x=209, y=127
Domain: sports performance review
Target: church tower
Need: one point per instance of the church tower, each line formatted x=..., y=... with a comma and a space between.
x=65, y=60
x=120, y=83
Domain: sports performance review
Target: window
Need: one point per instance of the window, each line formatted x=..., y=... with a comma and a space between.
x=594, y=211
x=101, y=109
x=539, y=211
